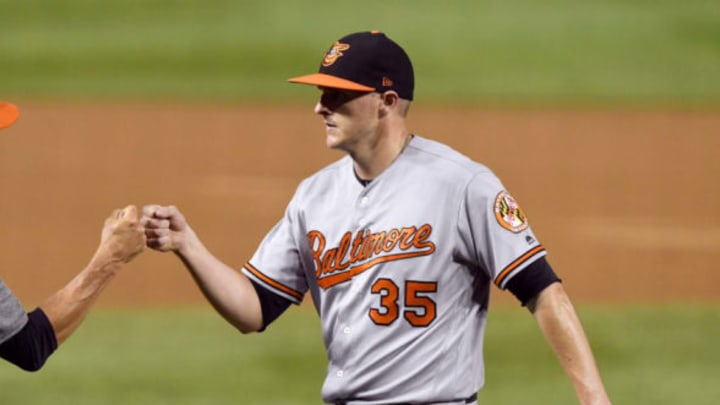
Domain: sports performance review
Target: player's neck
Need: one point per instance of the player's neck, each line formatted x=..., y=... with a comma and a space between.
x=375, y=158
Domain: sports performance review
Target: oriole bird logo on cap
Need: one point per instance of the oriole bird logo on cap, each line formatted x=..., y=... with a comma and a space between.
x=335, y=53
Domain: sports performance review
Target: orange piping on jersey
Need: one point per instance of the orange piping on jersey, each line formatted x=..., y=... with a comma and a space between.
x=329, y=281
x=520, y=260
x=272, y=282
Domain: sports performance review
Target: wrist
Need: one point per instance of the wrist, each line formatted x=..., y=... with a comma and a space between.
x=188, y=245
x=105, y=260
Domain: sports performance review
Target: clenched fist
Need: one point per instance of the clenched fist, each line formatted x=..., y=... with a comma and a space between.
x=123, y=236
x=165, y=228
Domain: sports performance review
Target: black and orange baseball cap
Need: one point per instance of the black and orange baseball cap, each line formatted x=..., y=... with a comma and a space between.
x=364, y=61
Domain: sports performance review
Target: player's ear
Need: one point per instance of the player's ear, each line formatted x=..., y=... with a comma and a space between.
x=389, y=101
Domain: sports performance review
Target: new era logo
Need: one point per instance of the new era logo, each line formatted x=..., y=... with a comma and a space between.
x=386, y=82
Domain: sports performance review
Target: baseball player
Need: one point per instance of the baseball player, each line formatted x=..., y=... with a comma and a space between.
x=398, y=243
x=28, y=339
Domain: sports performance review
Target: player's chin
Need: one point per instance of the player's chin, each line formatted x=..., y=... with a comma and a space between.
x=333, y=141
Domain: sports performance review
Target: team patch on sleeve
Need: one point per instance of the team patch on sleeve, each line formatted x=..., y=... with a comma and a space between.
x=509, y=214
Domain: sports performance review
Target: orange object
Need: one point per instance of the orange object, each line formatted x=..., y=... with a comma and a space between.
x=9, y=113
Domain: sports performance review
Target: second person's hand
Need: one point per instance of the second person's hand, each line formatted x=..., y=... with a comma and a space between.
x=122, y=237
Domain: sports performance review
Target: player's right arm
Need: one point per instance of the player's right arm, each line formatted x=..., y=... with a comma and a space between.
x=230, y=292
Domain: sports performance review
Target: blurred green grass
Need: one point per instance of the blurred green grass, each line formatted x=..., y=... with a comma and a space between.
x=479, y=51
x=648, y=355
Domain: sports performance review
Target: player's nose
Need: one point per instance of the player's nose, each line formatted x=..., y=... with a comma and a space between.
x=321, y=109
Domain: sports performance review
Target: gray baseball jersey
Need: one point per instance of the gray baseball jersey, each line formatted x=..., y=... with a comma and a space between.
x=399, y=271
x=12, y=314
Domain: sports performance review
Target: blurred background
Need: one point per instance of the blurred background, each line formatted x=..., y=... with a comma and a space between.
x=602, y=118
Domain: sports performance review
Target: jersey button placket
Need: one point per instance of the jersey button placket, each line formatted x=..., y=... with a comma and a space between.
x=343, y=339
x=344, y=332
x=362, y=211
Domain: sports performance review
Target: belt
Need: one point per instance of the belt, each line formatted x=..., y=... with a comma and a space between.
x=469, y=400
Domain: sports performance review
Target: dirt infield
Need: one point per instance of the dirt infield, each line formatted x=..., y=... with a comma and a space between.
x=627, y=203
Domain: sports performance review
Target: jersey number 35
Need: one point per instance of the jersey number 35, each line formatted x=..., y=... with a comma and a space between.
x=418, y=308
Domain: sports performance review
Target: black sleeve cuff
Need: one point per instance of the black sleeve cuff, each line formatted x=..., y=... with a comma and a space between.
x=32, y=345
x=532, y=280
x=272, y=304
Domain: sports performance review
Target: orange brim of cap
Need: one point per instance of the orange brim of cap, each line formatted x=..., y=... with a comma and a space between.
x=9, y=113
x=325, y=80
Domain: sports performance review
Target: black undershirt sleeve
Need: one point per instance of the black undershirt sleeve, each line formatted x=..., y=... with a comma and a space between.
x=32, y=345
x=272, y=305
x=532, y=280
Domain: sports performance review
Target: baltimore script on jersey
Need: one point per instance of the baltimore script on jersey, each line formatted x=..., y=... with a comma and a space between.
x=365, y=250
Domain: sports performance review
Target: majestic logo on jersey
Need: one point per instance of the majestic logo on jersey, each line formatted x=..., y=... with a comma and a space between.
x=509, y=214
x=335, y=53
x=354, y=255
